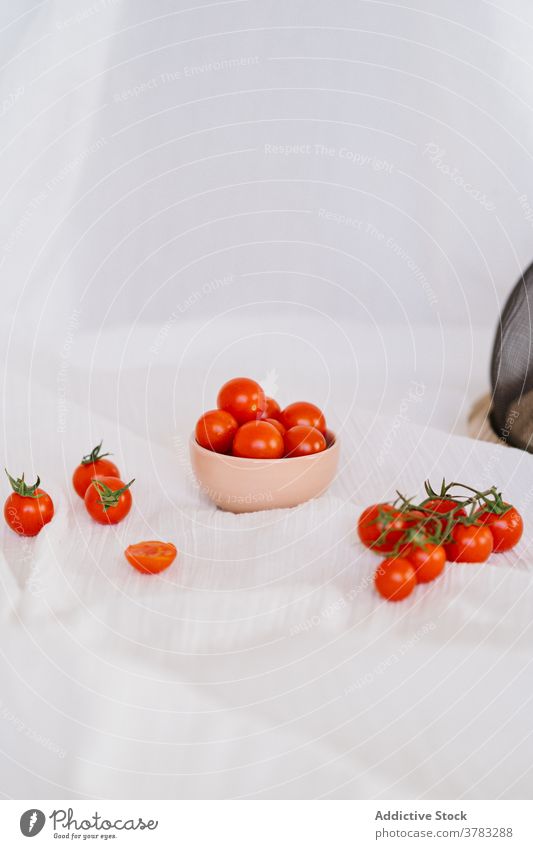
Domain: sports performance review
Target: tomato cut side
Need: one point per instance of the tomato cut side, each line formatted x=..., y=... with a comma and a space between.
x=151, y=556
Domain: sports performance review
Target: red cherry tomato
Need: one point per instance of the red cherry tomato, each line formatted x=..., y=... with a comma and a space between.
x=302, y=440
x=28, y=509
x=469, y=544
x=428, y=560
x=279, y=427
x=93, y=465
x=506, y=528
x=382, y=527
x=108, y=500
x=445, y=505
x=395, y=578
x=302, y=413
x=243, y=398
x=272, y=409
x=373, y=521
x=215, y=431
x=152, y=556
x=258, y=439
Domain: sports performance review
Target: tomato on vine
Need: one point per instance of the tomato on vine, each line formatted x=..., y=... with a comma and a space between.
x=384, y=528
x=470, y=543
x=428, y=560
x=506, y=526
x=395, y=578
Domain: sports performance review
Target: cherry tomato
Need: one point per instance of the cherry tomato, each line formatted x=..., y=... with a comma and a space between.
x=506, y=528
x=395, y=578
x=243, y=398
x=28, y=509
x=382, y=527
x=469, y=544
x=370, y=526
x=272, y=409
x=215, y=431
x=445, y=505
x=152, y=556
x=93, y=465
x=302, y=440
x=258, y=439
x=279, y=427
x=428, y=560
x=302, y=413
x=108, y=500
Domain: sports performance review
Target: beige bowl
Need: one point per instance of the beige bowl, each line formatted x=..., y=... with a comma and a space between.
x=243, y=485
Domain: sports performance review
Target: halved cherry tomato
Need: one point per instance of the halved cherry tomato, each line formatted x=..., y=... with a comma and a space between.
x=272, y=409
x=243, y=398
x=428, y=560
x=395, y=578
x=93, y=465
x=277, y=424
x=302, y=440
x=258, y=439
x=303, y=413
x=152, y=556
x=383, y=527
x=506, y=528
x=215, y=431
x=469, y=544
x=108, y=500
x=28, y=509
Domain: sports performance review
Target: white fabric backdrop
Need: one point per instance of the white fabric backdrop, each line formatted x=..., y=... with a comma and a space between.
x=333, y=198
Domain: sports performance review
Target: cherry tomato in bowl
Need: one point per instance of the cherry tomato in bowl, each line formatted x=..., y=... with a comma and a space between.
x=272, y=409
x=243, y=398
x=277, y=424
x=303, y=413
x=93, y=465
x=395, y=578
x=302, y=440
x=108, y=500
x=28, y=509
x=259, y=440
x=215, y=431
x=506, y=528
x=152, y=556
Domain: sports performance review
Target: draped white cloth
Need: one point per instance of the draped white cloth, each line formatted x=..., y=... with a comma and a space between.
x=333, y=199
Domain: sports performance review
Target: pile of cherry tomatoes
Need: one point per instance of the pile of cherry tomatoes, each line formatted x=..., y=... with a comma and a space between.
x=107, y=500
x=247, y=423
x=458, y=524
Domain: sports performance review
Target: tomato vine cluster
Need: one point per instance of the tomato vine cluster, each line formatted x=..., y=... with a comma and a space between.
x=459, y=524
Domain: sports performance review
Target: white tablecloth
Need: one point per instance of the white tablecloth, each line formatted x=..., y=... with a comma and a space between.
x=262, y=664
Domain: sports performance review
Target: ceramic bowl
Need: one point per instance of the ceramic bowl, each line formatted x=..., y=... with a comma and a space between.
x=243, y=485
